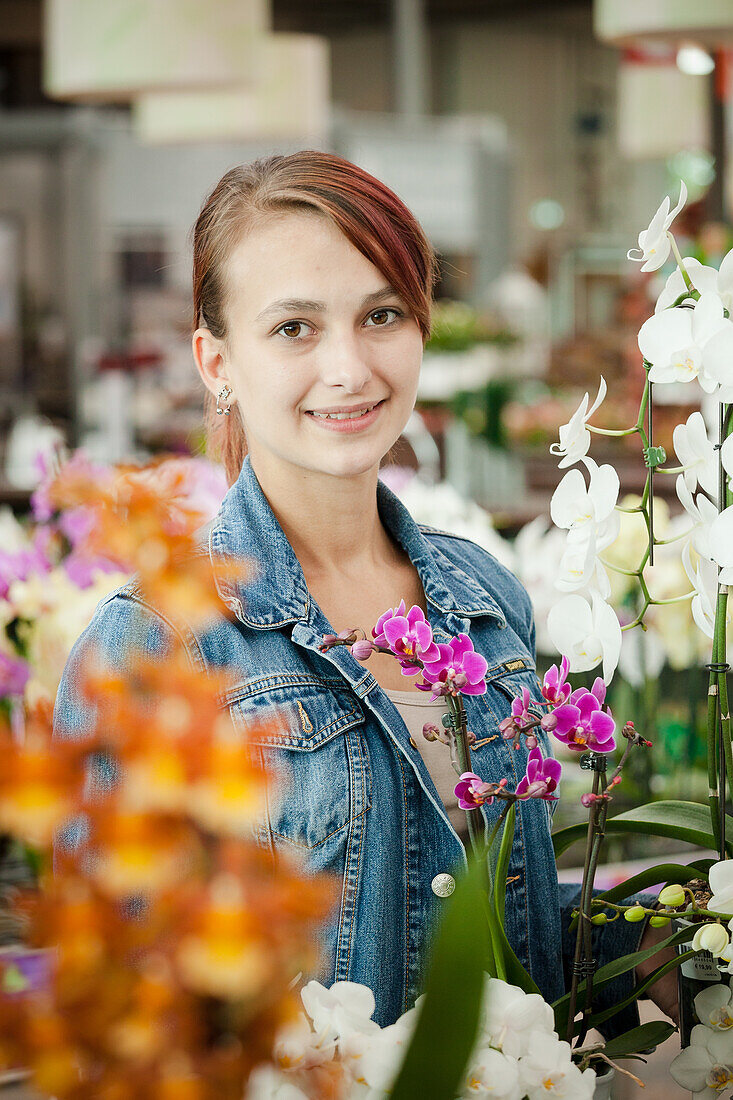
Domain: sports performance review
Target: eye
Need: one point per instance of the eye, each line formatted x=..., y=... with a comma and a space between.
x=292, y=325
x=379, y=318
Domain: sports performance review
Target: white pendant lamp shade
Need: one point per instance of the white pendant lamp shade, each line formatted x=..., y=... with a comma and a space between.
x=112, y=50
x=626, y=22
x=660, y=110
x=291, y=100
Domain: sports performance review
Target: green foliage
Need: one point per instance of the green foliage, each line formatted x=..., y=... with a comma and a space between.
x=685, y=821
x=644, y=1037
x=448, y=1022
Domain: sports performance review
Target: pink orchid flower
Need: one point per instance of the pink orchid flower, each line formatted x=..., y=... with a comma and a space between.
x=581, y=724
x=459, y=669
x=541, y=777
x=555, y=689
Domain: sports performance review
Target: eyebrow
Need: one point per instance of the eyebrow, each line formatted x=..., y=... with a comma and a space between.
x=306, y=305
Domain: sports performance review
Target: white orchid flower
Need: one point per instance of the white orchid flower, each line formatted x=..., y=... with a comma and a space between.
x=268, y=1083
x=587, y=633
x=704, y=279
x=682, y=344
x=704, y=579
x=344, y=1009
x=574, y=436
x=511, y=1019
x=493, y=1074
x=696, y=453
x=548, y=1071
x=714, y=1007
x=702, y=512
x=297, y=1046
x=705, y=1067
x=574, y=503
x=379, y=1063
x=720, y=541
x=579, y=566
x=711, y=937
x=654, y=243
x=720, y=877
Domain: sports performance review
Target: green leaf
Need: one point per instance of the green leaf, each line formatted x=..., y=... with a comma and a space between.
x=600, y=1017
x=686, y=821
x=610, y=972
x=661, y=872
x=639, y=1039
x=446, y=1028
x=498, y=891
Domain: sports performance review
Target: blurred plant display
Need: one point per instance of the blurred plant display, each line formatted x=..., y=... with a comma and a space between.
x=456, y=326
x=161, y=947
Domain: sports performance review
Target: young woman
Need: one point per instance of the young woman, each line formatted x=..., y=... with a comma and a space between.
x=312, y=291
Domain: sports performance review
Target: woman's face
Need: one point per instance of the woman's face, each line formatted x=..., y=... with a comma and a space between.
x=322, y=355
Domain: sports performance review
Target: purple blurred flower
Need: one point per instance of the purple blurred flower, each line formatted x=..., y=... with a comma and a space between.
x=541, y=777
x=14, y=675
x=408, y=635
x=83, y=570
x=582, y=724
x=471, y=791
x=458, y=669
x=554, y=687
x=21, y=565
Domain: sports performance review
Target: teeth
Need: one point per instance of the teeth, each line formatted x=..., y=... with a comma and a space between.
x=343, y=416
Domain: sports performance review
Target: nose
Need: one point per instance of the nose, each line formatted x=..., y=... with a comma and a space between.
x=344, y=364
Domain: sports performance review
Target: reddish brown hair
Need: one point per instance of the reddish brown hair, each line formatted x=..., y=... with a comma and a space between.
x=369, y=215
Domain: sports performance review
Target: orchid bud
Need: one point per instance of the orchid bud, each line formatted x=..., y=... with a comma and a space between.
x=587, y=799
x=634, y=914
x=471, y=737
x=362, y=649
x=599, y=918
x=657, y=921
x=530, y=741
x=548, y=722
x=327, y=642
x=460, y=680
x=673, y=896
x=431, y=732
x=710, y=937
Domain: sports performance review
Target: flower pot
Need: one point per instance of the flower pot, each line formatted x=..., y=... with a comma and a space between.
x=604, y=1084
x=693, y=976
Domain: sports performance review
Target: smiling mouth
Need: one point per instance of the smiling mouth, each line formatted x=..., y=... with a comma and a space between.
x=357, y=415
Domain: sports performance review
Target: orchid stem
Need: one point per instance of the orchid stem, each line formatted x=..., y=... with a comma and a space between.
x=680, y=261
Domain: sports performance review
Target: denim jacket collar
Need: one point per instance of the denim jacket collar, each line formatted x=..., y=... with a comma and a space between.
x=246, y=527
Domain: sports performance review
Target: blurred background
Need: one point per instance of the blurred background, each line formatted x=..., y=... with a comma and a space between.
x=532, y=138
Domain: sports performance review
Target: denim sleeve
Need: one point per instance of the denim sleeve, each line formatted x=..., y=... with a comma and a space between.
x=120, y=632
x=610, y=941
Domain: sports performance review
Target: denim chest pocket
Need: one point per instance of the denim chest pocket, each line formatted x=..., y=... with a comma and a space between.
x=310, y=735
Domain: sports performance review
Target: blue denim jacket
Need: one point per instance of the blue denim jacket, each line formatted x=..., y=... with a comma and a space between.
x=359, y=801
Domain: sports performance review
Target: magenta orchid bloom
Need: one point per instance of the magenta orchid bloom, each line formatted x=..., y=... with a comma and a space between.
x=581, y=724
x=521, y=714
x=541, y=777
x=459, y=669
x=471, y=791
x=555, y=688
x=14, y=675
x=409, y=636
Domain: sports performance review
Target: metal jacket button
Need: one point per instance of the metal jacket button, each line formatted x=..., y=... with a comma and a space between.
x=443, y=885
x=413, y=742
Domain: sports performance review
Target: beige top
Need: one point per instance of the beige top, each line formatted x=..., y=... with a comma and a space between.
x=415, y=710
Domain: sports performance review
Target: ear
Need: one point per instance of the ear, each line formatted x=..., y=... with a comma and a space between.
x=208, y=352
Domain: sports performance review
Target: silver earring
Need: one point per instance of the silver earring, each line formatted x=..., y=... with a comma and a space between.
x=222, y=395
